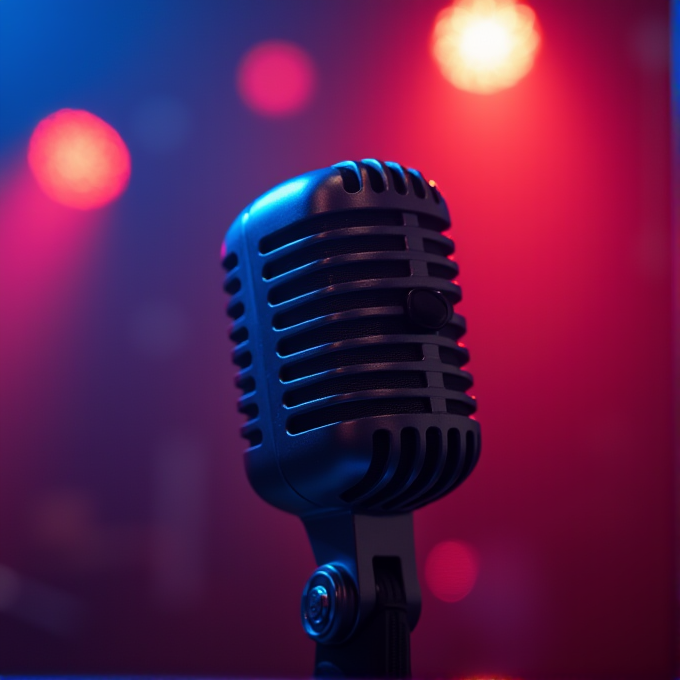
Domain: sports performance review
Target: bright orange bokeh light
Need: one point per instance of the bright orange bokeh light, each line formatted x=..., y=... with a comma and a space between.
x=484, y=46
x=79, y=160
x=451, y=570
x=276, y=78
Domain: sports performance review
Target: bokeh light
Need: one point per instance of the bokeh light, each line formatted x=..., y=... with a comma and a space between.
x=276, y=78
x=79, y=160
x=484, y=46
x=451, y=570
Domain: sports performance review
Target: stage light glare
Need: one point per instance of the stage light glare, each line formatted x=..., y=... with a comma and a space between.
x=276, y=78
x=484, y=46
x=79, y=160
x=451, y=570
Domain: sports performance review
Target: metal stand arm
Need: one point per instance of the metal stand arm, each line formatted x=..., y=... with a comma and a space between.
x=363, y=601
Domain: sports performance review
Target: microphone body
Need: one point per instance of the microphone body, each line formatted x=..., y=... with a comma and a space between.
x=347, y=348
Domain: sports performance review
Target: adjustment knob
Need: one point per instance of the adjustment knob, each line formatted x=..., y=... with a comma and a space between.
x=329, y=604
x=428, y=308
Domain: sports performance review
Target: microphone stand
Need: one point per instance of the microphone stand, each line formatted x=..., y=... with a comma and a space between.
x=364, y=599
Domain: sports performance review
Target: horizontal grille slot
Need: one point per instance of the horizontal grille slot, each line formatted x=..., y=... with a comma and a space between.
x=454, y=357
x=432, y=222
x=327, y=222
x=459, y=383
x=371, y=380
x=236, y=310
x=329, y=276
x=442, y=271
x=384, y=353
x=232, y=284
x=344, y=330
x=437, y=247
x=254, y=437
x=332, y=248
x=239, y=335
x=453, y=331
x=459, y=408
x=246, y=384
x=332, y=304
x=251, y=410
x=230, y=261
x=357, y=409
x=242, y=359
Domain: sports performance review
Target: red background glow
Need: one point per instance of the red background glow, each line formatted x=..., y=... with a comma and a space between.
x=123, y=497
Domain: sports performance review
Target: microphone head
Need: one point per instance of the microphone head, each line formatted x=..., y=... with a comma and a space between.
x=347, y=346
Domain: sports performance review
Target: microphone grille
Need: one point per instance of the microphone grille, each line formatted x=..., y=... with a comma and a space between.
x=338, y=284
x=357, y=345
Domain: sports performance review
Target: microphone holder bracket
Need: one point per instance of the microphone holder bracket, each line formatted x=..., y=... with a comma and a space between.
x=364, y=599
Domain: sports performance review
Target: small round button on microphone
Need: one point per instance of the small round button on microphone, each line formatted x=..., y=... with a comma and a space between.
x=428, y=308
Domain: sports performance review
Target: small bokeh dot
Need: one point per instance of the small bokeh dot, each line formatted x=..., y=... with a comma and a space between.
x=276, y=78
x=451, y=570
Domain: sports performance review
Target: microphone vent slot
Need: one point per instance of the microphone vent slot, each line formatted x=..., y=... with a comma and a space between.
x=363, y=327
x=375, y=178
x=459, y=407
x=371, y=354
x=351, y=179
x=236, y=311
x=254, y=437
x=408, y=453
x=433, y=223
x=457, y=356
x=418, y=186
x=246, y=384
x=457, y=382
x=397, y=176
x=232, y=285
x=243, y=359
x=332, y=276
x=357, y=409
x=326, y=248
x=239, y=335
x=251, y=411
x=424, y=468
x=230, y=261
x=445, y=249
x=442, y=271
x=347, y=384
x=376, y=470
x=329, y=222
x=332, y=304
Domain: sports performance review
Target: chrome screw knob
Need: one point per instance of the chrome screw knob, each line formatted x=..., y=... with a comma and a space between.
x=329, y=604
x=318, y=605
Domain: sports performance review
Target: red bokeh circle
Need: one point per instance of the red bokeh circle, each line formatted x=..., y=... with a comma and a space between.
x=276, y=78
x=78, y=159
x=451, y=570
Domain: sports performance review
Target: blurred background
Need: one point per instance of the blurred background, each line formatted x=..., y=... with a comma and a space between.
x=130, y=540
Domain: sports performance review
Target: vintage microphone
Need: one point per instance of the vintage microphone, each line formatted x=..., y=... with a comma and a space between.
x=349, y=359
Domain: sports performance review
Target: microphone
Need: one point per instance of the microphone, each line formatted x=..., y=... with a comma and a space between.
x=347, y=347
